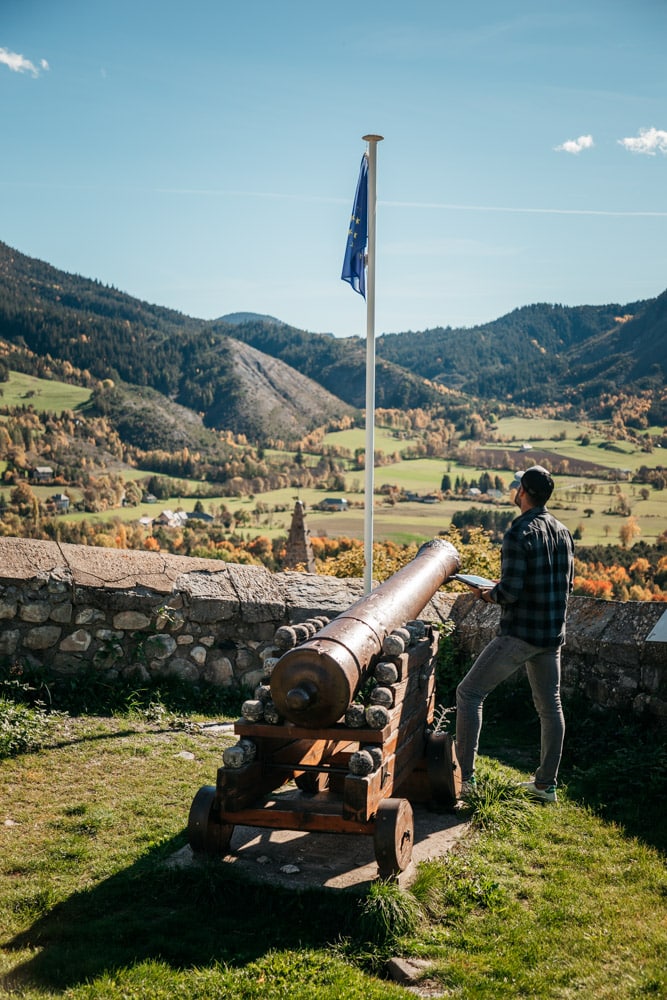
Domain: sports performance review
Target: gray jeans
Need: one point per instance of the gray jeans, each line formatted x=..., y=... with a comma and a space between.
x=498, y=661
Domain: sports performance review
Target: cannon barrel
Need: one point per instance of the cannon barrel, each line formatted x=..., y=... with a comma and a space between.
x=313, y=684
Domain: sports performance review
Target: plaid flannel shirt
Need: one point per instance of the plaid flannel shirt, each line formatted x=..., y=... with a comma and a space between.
x=537, y=570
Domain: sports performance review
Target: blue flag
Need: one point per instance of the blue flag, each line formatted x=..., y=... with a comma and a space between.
x=354, y=264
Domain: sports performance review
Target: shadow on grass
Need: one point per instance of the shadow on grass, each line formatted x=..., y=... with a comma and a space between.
x=613, y=763
x=185, y=917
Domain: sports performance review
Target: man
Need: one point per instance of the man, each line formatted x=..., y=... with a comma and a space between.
x=535, y=581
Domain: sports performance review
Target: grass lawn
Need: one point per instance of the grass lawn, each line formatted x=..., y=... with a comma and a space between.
x=42, y=394
x=548, y=902
x=384, y=439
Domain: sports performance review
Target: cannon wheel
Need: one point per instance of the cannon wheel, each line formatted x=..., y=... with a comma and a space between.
x=444, y=773
x=206, y=834
x=393, y=836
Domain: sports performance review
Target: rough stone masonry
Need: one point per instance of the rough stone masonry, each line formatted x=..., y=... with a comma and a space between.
x=147, y=615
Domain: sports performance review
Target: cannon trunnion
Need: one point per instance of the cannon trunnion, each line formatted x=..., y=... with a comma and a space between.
x=355, y=705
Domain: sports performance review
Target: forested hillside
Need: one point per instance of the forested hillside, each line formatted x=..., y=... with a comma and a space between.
x=533, y=352
x=198, y=365
x=256, y=375
x=338, y=364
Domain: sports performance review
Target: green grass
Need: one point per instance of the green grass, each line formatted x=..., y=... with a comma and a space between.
x=42, y=394
x=527, y=429
x=538, y=901
x=384, y=440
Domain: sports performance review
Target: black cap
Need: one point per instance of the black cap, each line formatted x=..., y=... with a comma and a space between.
x=537, y=482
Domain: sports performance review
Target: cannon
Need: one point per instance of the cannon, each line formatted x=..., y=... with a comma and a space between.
x=314, y=683
x=347, y=715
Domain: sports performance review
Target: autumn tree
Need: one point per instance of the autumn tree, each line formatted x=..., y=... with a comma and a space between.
x=628, y=531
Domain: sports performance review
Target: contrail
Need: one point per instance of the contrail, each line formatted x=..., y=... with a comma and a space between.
x=444, y=206
x=507, y=208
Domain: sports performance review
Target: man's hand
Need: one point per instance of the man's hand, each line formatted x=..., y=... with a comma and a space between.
x=482, y=594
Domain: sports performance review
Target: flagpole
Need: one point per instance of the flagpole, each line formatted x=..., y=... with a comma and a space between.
x=372, y=141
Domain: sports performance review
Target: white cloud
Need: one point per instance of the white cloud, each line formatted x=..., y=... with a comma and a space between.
x=19, y=64
x=649, y=141
x=575, y=146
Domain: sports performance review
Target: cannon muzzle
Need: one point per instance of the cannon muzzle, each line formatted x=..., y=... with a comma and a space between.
x=313, y=684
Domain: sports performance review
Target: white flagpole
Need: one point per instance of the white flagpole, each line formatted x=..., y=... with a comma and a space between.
x=372, y=141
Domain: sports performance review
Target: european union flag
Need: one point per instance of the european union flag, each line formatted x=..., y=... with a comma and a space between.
x=354, y=264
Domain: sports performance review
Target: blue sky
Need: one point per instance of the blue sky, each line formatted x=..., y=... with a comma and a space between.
x=203, y=155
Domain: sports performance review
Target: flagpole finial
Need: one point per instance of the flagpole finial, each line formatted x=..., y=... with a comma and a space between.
x=372, y=138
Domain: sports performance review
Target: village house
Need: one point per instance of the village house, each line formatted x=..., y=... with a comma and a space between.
x=42, y=474
x=333, y=503
x=60, y=502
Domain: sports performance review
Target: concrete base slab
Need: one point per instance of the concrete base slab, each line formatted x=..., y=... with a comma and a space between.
x=302, y=860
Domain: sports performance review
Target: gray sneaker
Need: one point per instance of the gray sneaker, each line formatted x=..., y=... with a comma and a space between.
x=468, y=787
x=543, y=794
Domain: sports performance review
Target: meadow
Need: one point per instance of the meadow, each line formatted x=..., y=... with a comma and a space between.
x=585, y=504
x=43, y=394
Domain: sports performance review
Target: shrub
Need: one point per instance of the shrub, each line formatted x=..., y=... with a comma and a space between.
x=22, y=728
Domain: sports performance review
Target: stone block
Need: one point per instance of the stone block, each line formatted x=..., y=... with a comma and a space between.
x=654, y=678
x=623, y=639
x=260, y=597
x=252, y=679
x=159, y=647
x=246, y=659
x=62, y=613
x=36, y=611
x=87, y=616
x=218, y=670
x=130, y=621
x=8, y=609
x=306, y=595
x=587, y=621
x=42, y=637
x=29, y=559
x=184, y=670
x=77, y=642
x=108, y=635
x=211, y=598
x=9, y=640
x=68, y=664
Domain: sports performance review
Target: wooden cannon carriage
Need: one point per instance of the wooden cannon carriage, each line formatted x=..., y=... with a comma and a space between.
x=358, y=767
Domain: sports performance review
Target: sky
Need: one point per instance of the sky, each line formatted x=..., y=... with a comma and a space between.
x=203, y=154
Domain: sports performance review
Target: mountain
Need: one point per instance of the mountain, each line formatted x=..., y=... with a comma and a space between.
x=255, y=374
x=249, y=317
x=110, y=335
x=197, y=364
x=338, y=364
x=532, y=353
x=270, y=394
x=632, y=351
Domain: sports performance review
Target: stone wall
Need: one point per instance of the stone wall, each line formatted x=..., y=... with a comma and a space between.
x=147, y=615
